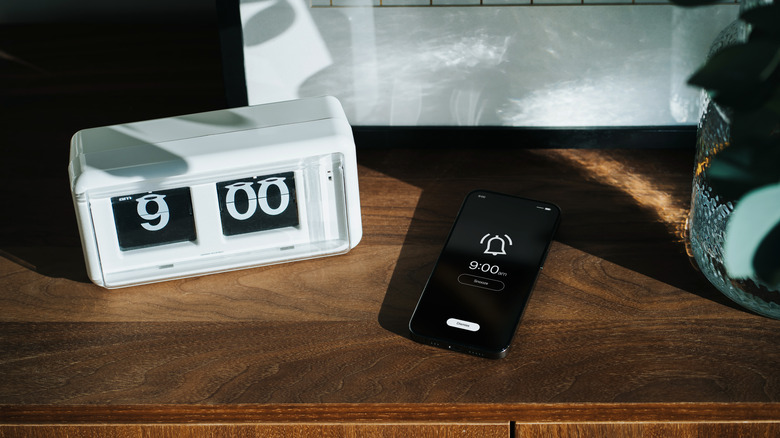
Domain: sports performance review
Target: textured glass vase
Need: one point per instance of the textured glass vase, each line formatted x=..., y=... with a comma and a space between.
x=710, y=210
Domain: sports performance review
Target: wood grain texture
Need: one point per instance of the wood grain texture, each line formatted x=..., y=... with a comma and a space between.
x=725, y=430
x=300, y=362
x=261, y=431
x=620, y=329
x=392, y=413
x=680, y=430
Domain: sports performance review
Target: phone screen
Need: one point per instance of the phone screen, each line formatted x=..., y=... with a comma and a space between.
x=476, y=294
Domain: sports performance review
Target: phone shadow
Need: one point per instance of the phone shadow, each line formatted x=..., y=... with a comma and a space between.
x=597, y=218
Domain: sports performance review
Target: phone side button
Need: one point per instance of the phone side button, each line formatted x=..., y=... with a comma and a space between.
x=463, y=325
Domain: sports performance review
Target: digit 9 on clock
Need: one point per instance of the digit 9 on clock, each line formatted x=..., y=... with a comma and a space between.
x=149, y=219
x=217, y=191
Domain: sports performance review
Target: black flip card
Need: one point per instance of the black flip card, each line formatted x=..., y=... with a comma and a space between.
x=258, y=203
x=153, y=218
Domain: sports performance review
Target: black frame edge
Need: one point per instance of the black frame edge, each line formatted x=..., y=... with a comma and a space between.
x=635, y=137
x=232, y=48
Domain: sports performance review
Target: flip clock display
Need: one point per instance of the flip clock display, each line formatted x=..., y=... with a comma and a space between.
x=144, y=219
x=216, y=191
x=256, y=204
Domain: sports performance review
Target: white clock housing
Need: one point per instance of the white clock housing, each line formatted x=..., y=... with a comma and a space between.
x=215, y=191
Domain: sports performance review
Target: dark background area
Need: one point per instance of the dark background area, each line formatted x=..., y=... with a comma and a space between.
x=79, y=11
x=58, y=78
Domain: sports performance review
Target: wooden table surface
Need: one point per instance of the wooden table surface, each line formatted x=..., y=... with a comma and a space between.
x=621, y=327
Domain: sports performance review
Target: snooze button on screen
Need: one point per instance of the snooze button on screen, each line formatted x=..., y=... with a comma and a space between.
x=481, y=282
x=463, y=325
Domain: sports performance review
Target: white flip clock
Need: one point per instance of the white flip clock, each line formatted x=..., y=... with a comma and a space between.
x=215, y=191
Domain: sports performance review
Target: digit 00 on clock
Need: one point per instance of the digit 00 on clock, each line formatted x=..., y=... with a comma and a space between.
x=216, y=191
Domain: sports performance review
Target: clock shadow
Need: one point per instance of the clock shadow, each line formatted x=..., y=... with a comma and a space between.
x=59, y=79
x=43, y=233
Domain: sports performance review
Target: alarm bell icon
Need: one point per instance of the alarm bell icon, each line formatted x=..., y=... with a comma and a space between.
x=495, y=245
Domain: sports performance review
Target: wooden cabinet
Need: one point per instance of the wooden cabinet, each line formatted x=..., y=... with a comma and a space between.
x=266, y=431
x=622, y=336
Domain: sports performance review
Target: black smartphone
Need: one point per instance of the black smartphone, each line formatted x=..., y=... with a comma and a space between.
x=476, y=294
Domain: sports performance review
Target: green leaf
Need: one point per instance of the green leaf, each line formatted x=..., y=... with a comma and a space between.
x=752, y=159
x=729, y=173
x=758, y=125
x=764, y=19
x=765, y=260
x=752, y=244
x=741, y=76
x=742, y=167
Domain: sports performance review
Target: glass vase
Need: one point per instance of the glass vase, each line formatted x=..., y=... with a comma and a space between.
x=710, y=210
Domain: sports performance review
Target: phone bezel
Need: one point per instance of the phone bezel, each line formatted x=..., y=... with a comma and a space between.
x=473, y=349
